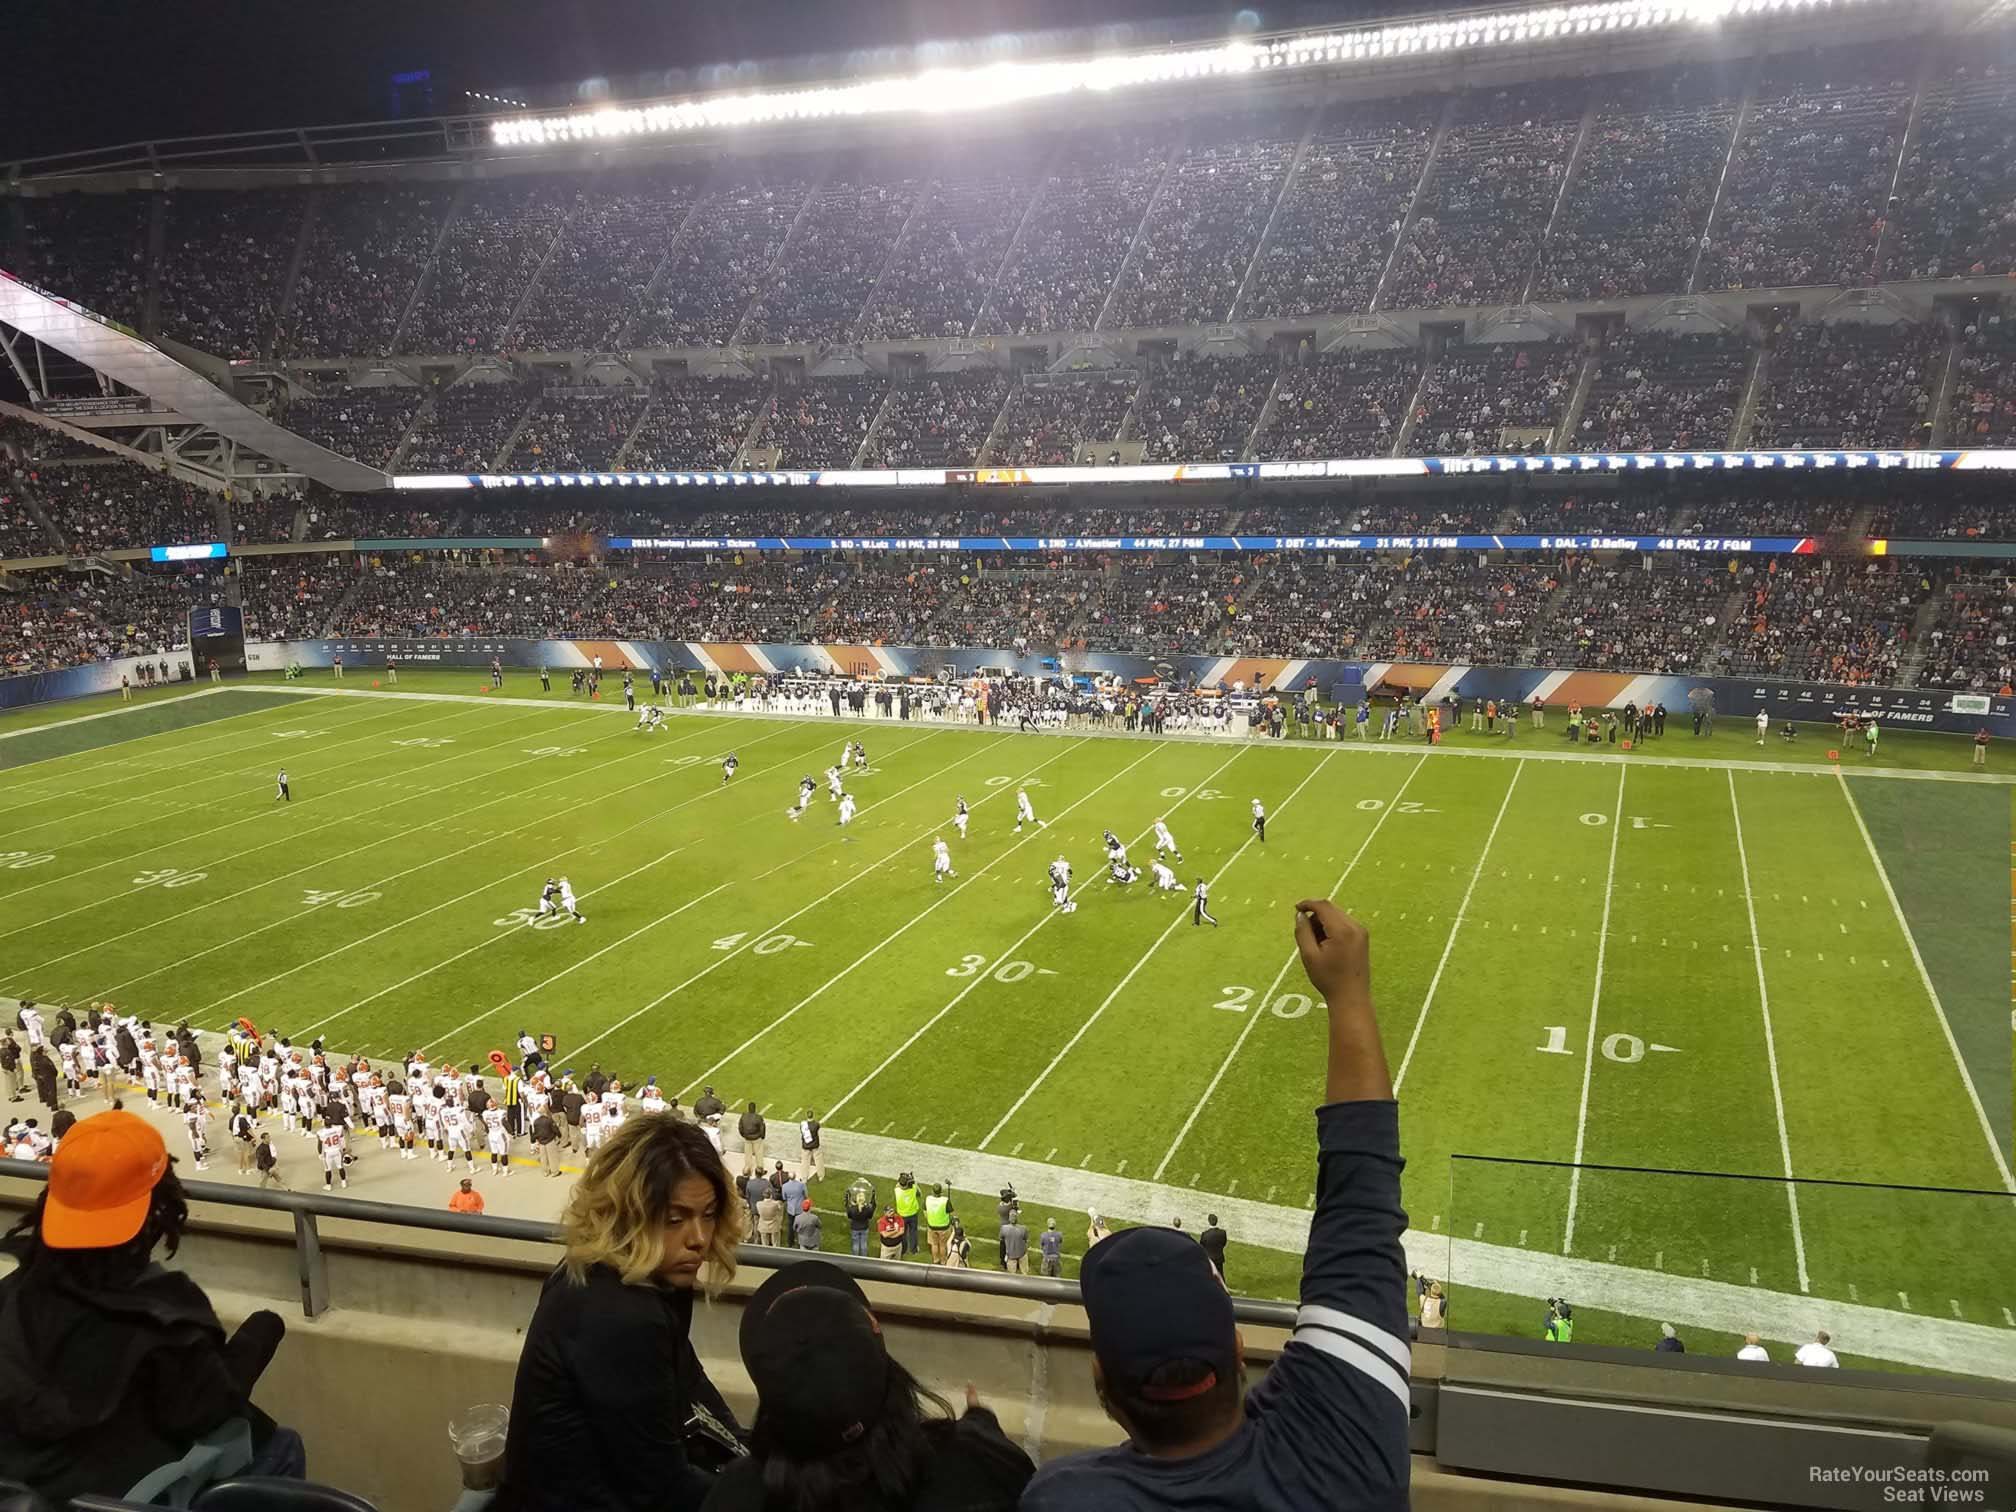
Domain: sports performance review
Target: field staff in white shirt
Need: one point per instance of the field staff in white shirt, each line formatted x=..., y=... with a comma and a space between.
x=1200, y=913
x=1817, y=1353
x=1763, y=724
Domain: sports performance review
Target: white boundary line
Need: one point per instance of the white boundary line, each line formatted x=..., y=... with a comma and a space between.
x=499, y=935
x=1455, y=928
x=1595, y=1000
x=1275, y=986
x=752, y=938
x=149, y=773
x=1121, y=986
x=919, y=918
x=460, y=815
x=141, y=708
x=425, y=792
x=265, y=811
x=1048, y=914
x=1931, y=992
x=1770, y=1040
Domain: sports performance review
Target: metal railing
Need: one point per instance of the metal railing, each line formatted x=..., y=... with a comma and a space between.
x=307, y=1207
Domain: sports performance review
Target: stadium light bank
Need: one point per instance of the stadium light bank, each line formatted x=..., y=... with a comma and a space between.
x=983, y=87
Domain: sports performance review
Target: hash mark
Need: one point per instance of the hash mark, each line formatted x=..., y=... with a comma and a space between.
x=952, y=1138
x=1270, y=1194
x=1193, y=1178
x=1085, y=1162
x=920, y=1131
x=1753, y=1275
x=1659, y=1260
x=2009, y=1317
x=1435, y=1227
x=1904, y=1301
x=888, y=1126
x=1954, y=1303
x=1522, y=1238
x=1853, y=1295
x=1053, y=1151
x=1122, y=1171
x=1480, y=1231
x=1016, y=1151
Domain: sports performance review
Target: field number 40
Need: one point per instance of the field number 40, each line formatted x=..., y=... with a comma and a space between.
x=1625, y=1049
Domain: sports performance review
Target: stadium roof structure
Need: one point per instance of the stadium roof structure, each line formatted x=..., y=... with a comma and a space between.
x=1376, y=57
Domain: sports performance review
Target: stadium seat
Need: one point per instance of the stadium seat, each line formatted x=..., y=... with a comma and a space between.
x=225, y=1450
x=267, y=1493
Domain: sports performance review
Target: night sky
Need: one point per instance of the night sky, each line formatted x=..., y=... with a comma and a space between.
x=91, y=73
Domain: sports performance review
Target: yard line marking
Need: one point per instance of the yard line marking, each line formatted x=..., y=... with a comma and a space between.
x=1275, y=986
x=1120, y=1170
x=146, y=774
x=380, y=882
x=506, y=934
x=753, y=938
x=266, y=811
x=1595, y=1001
x=1770, y=1042
x=533, y=866
x=1931, y=992
x=1121, y=986
x=919, y=918
x=1455, y=927
x=1051, y=1156
x=1088, y=1160
x=1028, y=934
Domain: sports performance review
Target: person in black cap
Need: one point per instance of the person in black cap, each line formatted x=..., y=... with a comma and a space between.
x=1328, y=1425
x=840, y=1425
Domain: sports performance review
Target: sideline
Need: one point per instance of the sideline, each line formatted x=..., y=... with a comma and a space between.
x=141, y=708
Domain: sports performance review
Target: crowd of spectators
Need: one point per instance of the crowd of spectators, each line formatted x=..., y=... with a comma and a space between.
x=696, y=422
x=620, y=232
x=1342, y=404
x=823, y=421
x=365, y=253
x=1849, y=386
x=1076, y=235
x=1786, y=510
x=225, y=256
x=938, y=421
x=1634, y=615
x=576, y=428
x=1185, y=606
x=941, y=272
x=365, y=423
x=485, y=263
x=845, y=237
x=1339, y=216
x=1583, y=514
x=1203, y=409
x=56, y=618
x=1487, y=200
x=1302, y=606
x=1968, y=647
x=1826, y=620
x=89, y=248
x=291, y=597
x=467, y=427
x=104, y=506
x=264, y=519
x=1456, y=607
x=1188, y=262
x=1982, y=408
x=1634, y=211
x=1050, y=416
x=1806, y=188
x=1473, y=396
x=1974, y=514
x=1658, y=392
x=1956, y=207
x=716, y=267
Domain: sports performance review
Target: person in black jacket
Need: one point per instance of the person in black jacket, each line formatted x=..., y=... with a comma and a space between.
x=840, y=1425
x=111, y=1366
x=612, y=1411
x=42, y=1071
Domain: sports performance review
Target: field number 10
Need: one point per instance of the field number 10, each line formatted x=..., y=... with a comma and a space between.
x=1625, y=1049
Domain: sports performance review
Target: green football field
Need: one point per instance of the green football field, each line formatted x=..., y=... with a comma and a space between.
x=1591, y=968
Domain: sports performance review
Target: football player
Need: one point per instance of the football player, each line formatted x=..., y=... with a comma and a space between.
x=1060, y=886
x=960, y=815
x=941, y=860
x=1165, y=843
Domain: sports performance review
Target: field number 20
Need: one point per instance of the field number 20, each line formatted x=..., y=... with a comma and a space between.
x=1289, y=1005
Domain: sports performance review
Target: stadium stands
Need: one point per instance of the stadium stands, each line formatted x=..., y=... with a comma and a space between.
x=574, y=428
x=940, y=274
x=1203, y=409
x=1956, y=188
x=940, y=421
x=844, y=235
x=224, y=272
x=716, y=267
x=1829, y=621
x=1636, y=615
x=469, y=426
x=91, y=248
x=365, y=423
x=370, y=246
x=1983, y=405
x=493, y=246
x=1474, y=396
x=1968, y=647
x=1049, y=416
x=823, y=423
x=619, y=234
x=1347, y=404
x=696, y=422
x=1655, y=392
x=1843, y=386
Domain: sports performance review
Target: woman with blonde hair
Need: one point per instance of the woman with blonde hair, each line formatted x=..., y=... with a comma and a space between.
x=612, y=1411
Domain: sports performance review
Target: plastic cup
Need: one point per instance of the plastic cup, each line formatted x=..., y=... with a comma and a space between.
x=478, y=1436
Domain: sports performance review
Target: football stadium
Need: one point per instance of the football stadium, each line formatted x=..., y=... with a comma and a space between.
x=1455, y=565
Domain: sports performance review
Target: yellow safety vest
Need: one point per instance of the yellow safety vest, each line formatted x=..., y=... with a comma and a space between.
x=938, y=1212
x=906, y=1201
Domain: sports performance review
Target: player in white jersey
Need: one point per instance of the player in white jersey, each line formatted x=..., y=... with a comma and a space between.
x=557, y=896
x=960, y=815
x=846, y=755
x=941, y=860
x=497, y=1138
x=329, y=1145
x=455, y=1134
x=185, y=1082
x=1120, y=873
x=1025, y=811
x=1060, y=885
x=591, y=1124
x=399, y=1108
x=1163, y=878
x=196, y=1119
x=806, y=788
x=651, y=1097
x=1165, y=843
x=1260, y=820
x=67, y=1053
x=427, y=1112
x=612, y=1107
x=846, y=808
x=834, y=786
x=650, y=717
